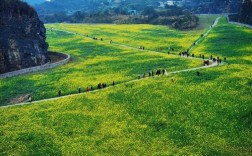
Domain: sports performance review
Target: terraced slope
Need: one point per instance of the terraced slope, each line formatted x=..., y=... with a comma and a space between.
x=96, y=62
x=158, y=38
x=208, y=114
x=92, y=63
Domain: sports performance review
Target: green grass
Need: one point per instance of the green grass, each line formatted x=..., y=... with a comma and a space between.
x=92, y=62
x=233, y=42
x=205, y=21
x=205, y=115
x=158, y=38
x=96, y=62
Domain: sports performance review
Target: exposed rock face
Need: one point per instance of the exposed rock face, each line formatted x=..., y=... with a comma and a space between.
x=22, y=37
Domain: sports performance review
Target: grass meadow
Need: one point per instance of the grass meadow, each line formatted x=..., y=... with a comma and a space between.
x=152, y=37
x=96, y=62
x=92, y=63
x=208, y=114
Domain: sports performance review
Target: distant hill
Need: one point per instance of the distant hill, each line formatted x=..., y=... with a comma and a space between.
x=70, y=6
x=144, y=11
x=215, y=6
x=55, y=6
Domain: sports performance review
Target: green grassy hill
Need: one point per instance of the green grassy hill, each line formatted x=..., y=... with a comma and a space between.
x=158, y=38
x=92, y=62
x=96, y=62
x=208, y=114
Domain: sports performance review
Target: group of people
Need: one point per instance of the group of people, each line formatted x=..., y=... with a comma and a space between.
x=95, y=38
x=206, y=63
x=88, y=89
x=141, y=47
x=185, y=53
x=153, y=73
x=161, y=72
x=218, y=60
x=202, y=56
x=102, y=85
x=99, y=86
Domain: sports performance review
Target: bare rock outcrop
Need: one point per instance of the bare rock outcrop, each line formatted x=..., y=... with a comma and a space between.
x=22, y=37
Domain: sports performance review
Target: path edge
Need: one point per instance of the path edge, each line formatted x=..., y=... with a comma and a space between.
x=38, y=68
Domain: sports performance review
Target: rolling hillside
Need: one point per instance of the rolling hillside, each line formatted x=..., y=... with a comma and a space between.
x=178, y=114
x=69, y=6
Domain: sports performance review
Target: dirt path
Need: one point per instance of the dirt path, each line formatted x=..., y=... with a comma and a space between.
x=136, y=48
x=135, y=80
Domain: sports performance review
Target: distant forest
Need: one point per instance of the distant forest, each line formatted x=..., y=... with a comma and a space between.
x=178, y=13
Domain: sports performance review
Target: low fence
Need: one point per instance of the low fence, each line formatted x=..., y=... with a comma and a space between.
x=39, y=68
x=237, y=23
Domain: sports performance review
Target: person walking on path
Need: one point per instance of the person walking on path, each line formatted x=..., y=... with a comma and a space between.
x=59, y=93
x=99, y=86
x=104, y=85
x=165, y=73
x=143, y=75
x=30, y=98
x=87, y=89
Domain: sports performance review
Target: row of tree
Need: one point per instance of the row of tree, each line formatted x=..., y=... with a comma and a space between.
x=139, y=11
x=215, y=6
x=170, y=15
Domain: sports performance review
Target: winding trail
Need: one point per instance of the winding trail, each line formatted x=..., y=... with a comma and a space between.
x=135, y=80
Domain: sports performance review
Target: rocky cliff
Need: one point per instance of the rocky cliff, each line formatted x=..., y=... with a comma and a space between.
x=22, y=37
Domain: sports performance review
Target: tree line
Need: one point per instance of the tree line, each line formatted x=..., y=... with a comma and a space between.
x=175, y=16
